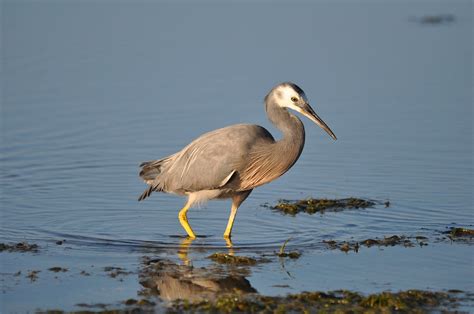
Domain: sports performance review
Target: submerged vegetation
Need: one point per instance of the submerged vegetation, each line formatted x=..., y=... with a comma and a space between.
x=458, y=235
x=346, y=246
x=341, y=301
x=223, y=258
x=455, y=233
x=19, y=247
x=33, y=275
x=291, y=254
x=114, y=272
x=312, y=205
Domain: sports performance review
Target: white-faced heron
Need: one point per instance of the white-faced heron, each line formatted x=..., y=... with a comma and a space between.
x=232, y=161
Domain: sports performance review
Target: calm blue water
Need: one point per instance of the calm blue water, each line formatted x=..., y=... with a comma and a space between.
x=91, y=89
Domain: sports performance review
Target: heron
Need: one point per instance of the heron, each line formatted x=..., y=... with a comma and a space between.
x=232, y=161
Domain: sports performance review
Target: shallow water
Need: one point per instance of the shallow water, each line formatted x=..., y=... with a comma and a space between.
x=92, y=89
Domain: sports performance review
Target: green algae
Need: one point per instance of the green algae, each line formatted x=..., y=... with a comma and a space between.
x=312, y=205
x=341, y=301
x=458, y=235
x=282, y=253
x=393, y=240
x=293, y=255
x=223, y=258
x=461, y=232
x=453, y=234
x=141, y=302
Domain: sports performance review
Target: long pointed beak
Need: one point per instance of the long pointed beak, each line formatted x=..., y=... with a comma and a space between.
x=308, y=112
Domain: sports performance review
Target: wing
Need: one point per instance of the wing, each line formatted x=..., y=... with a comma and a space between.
x=210, y=161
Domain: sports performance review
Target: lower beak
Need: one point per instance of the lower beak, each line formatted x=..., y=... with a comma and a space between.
x=310, y=114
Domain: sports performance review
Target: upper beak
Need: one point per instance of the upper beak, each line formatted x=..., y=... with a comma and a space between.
x=307, y=111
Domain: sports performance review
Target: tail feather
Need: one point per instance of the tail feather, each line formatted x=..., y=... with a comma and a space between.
x=152, y=188
x=151, y=169
x=149, y=172
x=146, y=193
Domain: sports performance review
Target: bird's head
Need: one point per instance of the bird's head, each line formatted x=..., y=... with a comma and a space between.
x=290, y=95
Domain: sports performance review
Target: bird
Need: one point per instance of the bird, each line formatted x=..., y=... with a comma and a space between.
x=232, y=161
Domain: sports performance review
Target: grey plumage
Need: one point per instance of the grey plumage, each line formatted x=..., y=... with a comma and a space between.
x=230, y=162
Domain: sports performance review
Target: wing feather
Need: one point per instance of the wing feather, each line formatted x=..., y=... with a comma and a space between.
x=212, y=160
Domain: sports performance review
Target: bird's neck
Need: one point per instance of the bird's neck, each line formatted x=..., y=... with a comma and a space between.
x=291, y=144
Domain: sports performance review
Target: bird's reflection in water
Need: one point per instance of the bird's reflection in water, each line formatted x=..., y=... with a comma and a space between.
x=172, y=281
x=185, y=245
x=183, y=251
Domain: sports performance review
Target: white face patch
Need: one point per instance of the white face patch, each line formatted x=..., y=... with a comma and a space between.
x=284, y=95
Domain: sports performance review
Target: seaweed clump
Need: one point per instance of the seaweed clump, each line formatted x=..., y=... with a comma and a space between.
x=141, y=302
x=333, y=301
x=223, y=258
x=347, y=246
x=19, y=247
x=291, y=254
x=313, y=205
x=460, y=232
x=33, y=275
x=459, y=235
x=114, y=272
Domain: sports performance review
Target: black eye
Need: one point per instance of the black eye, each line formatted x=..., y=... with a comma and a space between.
x=294, y=99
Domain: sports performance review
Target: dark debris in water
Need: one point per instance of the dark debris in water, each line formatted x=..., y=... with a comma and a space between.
x=291, y=254
x=313, y=205
x=459, y=235
x=93, y=305
x=116, y=271
x=434, y=19
x=19, y=247
x=453, y=234
x=58, y=269
x=33, y=275
x=460, y=232
x=224, y=258
x=141, y=302
x=394, y=240
x=341, y=301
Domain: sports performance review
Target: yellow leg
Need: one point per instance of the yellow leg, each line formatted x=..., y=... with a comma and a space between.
x=183, y=219
x=237, y=199
x=230, y=223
